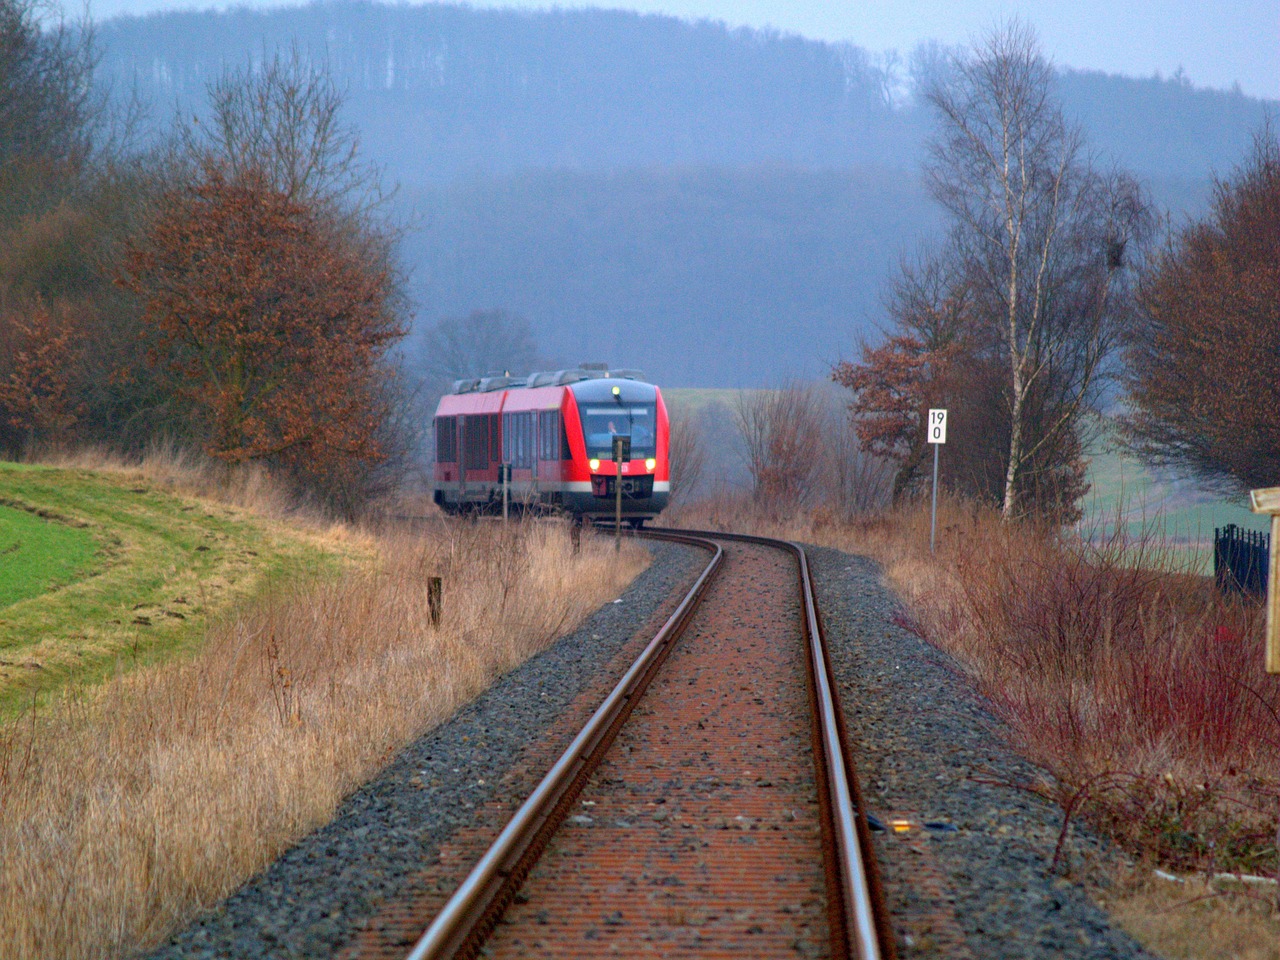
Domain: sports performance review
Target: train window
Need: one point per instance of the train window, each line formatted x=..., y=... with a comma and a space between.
x=495, y=439
x=549, y=434
x=446, y=440
x=518, y=439
x=600, y=423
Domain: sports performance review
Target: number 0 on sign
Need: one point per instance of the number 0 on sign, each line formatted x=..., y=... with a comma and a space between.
x=937, y=426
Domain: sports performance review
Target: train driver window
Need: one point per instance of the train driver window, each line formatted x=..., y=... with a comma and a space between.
x=601, y=423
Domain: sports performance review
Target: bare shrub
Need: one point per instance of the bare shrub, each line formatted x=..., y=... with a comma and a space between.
x=854, y=483
x=1135, y=682
x=128, y=810
x=687, y=456
x=782, y=434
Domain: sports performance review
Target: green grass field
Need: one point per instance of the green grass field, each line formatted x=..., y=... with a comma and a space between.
x=100, y=572
x=1124, y=489
x=39, y=554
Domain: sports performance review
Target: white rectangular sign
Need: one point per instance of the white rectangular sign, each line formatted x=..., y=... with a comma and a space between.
x=937, y=426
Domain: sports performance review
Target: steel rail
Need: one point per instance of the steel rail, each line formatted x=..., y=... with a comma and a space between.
x=865, y=933
x=860, y=926
x=471, y=911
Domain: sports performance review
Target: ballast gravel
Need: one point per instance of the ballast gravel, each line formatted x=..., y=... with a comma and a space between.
x=315, y=897
x=929, y=752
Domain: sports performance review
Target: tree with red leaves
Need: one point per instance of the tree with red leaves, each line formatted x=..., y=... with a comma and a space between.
x=38, y=396
x=1205, y=362
x=270, y=322
x=893, y=388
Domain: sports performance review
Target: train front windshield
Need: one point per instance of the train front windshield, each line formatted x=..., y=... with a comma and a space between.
x=601, y=422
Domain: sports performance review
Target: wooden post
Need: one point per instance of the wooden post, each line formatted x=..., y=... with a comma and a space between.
x=435, y=599
x=1267, y=500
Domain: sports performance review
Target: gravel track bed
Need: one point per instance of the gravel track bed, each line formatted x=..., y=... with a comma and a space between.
x=315, y=897
x=928, y=751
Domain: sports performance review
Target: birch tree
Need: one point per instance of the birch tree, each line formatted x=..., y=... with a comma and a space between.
x=1044, y=240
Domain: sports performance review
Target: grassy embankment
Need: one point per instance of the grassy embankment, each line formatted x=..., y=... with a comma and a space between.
x=103, y=570
x=1131, y=680
x=220, y=736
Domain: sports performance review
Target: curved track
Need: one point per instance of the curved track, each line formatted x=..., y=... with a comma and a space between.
x=754, y=870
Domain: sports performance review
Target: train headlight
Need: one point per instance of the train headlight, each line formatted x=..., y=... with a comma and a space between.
x=650, y=463
x=594, y=464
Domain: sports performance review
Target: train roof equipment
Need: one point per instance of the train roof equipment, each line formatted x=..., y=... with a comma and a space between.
x=546, y=378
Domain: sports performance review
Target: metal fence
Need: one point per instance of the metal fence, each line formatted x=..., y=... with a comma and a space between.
x=1240, y=560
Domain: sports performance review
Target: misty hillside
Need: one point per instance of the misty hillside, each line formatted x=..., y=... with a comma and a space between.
x=719, y=206
x=448, y=89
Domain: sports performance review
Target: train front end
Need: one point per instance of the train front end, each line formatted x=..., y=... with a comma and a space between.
x=596, y=411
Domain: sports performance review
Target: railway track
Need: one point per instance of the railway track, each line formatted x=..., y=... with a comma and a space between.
x=710, y=814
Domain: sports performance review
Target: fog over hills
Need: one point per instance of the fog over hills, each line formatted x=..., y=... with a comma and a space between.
x=720, y=207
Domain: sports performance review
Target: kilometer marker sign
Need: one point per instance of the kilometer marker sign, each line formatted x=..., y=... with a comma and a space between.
x=937, y=426
x=937, y=435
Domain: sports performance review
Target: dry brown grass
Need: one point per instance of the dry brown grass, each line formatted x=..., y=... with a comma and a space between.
x=1195, y=921
x=127, y=810
x=182, y=470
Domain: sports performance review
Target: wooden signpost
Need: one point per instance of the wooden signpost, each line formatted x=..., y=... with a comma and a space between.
x=1267, y=501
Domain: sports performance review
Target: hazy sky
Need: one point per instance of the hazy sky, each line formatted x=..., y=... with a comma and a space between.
x=1215, y=43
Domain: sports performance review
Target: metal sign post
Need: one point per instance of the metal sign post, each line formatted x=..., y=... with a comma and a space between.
x=505, y=470
x=1267, y=500
x=621, y=454
x=937, y=435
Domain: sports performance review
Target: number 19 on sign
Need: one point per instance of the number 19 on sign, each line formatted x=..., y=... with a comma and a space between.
x=937, y=435
x=937, y=426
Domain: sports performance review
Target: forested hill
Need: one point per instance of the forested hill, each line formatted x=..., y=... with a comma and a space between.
x=719, y=206
x=460, y=89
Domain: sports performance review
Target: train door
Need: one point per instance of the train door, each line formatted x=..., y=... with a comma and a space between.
x=462, y=460
x=475, y=455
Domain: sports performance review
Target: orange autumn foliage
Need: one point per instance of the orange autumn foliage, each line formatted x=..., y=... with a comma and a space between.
x=37, y=391
x=893, y=388
x=269, y=319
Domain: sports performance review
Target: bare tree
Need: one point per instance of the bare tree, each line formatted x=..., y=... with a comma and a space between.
x=482, y=342
x=47, y=104
x=283, y=119
x=855, y=481
x=1045, y=240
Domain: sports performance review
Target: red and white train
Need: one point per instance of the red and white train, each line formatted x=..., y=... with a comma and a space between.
x=556, y=431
